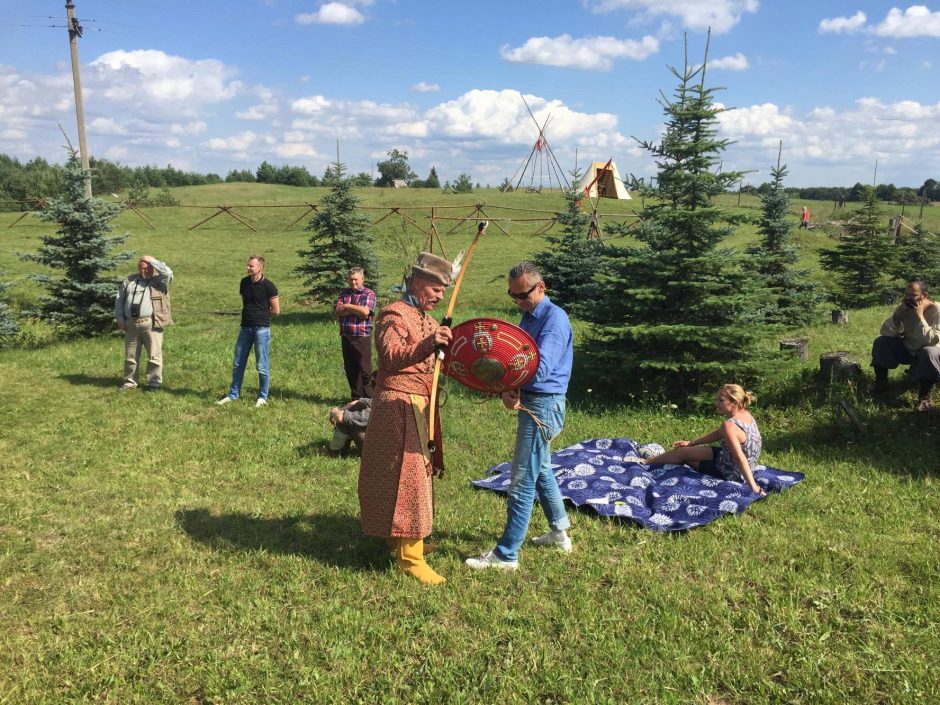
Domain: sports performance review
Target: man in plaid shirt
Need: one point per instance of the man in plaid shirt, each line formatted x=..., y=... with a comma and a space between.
x=354, y=309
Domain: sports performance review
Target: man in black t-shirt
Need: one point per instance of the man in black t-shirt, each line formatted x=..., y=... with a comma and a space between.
x=259, y=302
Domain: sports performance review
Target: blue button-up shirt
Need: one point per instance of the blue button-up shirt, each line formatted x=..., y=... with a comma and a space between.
x=549, y=327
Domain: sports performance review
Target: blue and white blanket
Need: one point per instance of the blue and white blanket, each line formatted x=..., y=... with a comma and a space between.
x=606, y=475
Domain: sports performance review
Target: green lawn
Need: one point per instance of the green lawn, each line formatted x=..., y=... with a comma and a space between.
x=157, y=548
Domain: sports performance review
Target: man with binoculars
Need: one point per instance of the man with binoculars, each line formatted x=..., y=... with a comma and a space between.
x=142, y=310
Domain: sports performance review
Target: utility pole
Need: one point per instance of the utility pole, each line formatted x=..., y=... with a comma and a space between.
x=75, y=31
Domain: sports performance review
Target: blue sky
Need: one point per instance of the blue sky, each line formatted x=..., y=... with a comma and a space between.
x=214, y=86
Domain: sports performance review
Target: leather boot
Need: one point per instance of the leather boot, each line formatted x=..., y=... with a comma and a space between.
x=923, y=397
x=409, y=557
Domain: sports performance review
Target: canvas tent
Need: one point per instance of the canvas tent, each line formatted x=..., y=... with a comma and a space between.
x=603, y=180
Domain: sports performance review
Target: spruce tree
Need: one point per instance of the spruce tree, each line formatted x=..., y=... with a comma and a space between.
x=8, y=325
x=340, y=238
x=81, y=297
x=573, y=257
x=794, y=297
x=680, y=315
x=865, y=261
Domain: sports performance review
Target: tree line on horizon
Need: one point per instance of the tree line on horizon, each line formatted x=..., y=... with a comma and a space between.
x=26, y=183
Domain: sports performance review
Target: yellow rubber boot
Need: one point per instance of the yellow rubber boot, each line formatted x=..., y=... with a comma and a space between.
x=393, y=546
x=409, y=557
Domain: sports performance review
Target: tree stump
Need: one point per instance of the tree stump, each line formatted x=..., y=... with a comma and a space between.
x=840, y=317
x=836, y=365
x=798, y=345
x=890, y=296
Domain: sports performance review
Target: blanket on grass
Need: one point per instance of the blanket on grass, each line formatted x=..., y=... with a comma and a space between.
x=606, y=475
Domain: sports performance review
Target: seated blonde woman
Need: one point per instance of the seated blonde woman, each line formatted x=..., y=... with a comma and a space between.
x=736, y=457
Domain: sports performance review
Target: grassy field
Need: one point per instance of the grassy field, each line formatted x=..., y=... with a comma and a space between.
x=157, y=548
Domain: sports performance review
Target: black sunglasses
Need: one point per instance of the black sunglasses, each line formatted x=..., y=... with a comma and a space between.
x=524, y=295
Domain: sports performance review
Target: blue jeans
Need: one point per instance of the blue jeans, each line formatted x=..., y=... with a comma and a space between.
x=260, y=338
x=532, y=473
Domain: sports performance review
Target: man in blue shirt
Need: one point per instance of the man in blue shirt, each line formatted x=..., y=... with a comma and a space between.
x=541, y=406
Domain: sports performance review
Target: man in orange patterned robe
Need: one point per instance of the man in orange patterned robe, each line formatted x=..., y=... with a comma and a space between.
x=395, y=493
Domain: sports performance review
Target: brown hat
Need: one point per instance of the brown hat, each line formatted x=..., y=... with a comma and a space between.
x=430, y=266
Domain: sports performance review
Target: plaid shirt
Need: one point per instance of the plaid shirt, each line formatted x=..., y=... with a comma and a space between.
x=353, y=325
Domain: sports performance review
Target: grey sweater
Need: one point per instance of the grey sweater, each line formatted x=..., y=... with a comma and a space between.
x=917, y=334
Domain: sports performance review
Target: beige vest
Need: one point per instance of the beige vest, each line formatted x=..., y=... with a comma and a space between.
x=161, y=305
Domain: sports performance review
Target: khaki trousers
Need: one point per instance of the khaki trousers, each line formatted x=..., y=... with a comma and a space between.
x=140, y=333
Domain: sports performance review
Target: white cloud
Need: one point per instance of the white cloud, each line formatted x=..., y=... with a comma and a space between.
x=764, y=119
x=878, y=66
x=159, y=83
x=737, y=62
x=423, y=87
x=196, y=127
x=365, y=110
x=296, y=150
x=106, y=126
x=915, y=21
x=501, y=116
x=332, y=13
x=310, y=106
x=839, y=25
x=698, y=15
x=844, y=143
x=236, y=143
x=262, y=111
x=592, y=53
x=26, y=98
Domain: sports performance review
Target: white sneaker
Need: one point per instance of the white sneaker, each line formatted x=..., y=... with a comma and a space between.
x=558, y=539
x=491, y=560
x=260, y=402
x=223, y=401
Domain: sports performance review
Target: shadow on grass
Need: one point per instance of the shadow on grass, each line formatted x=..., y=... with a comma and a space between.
x=892, y=437
x=895, y=441
x=333, y=539
x=115, y=383
x=302, y=396
x=322, y=449
x=305, y=318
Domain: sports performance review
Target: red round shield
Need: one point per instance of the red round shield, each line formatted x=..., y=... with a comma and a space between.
x=491, y=355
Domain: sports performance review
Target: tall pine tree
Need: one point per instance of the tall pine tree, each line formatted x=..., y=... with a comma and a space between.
x=795, y=298
x=81, y=297
x=865, y=261
x=680, y=314
x=340, y=238
x=920, y=257
x=573, y=257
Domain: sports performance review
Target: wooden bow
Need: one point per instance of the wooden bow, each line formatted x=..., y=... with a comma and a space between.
x=446, y=321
